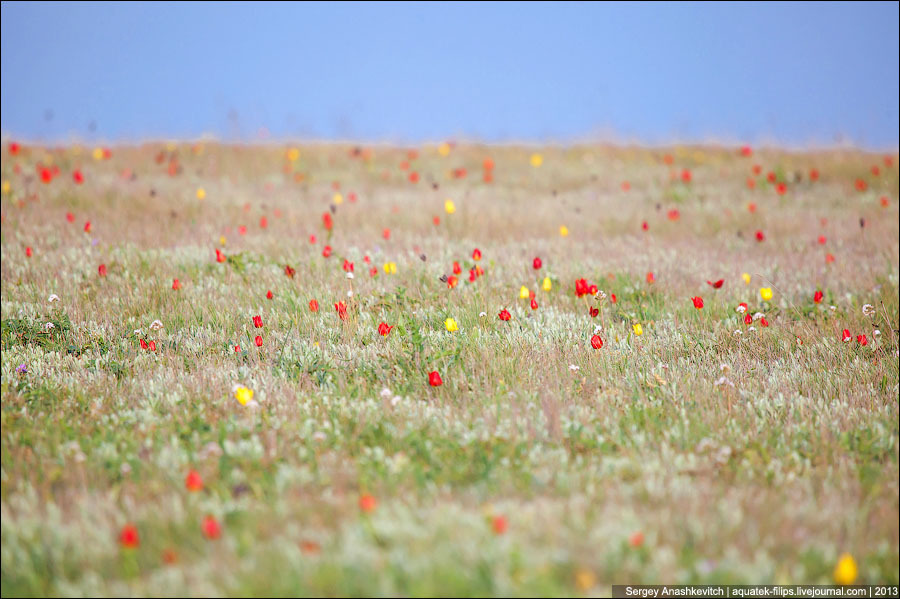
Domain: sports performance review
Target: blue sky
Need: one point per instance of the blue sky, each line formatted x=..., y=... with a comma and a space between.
x=795, y=74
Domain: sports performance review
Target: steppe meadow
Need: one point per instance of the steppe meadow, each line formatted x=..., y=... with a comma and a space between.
x=452, y=369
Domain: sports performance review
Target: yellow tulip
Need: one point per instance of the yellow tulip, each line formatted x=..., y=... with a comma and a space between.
x=390, y=268
x=451, y=325
x=98, y=153
x=547, y=285
x=537, y=160
x=293, y=154
x=338, y=199
x=444, y=149
x=765, y=293
x=638, y=329
x=201, y=193
x=746, y=277
x=243, y=395
x=845, y=572
x=222, y=240
x=524, y=293
x=449, y=207
x=564, y=230
x=6, y=187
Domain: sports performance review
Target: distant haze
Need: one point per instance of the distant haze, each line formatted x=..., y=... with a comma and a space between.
x=795, y=74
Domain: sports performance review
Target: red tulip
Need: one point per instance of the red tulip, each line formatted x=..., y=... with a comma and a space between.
x=414, y=177
x=348, y=266
x=29, y=251
x=771, y=177
x=716, y=284
x=593, y=311
x=128, y=537
x=14, y=148
x=686, y=175
x=312, y=239
x=87, y=227
x=77, y=177
x=829, y=258
x=612, y=297
x=861, y=185
x=822, y=240
x=650, y=277
x=534, y=304
x=476, y=254
x=193, y=481
x=504, y=314
x=341, y=308
x=674, y=214
x=102, y=270
x=885, y=202
x=46, y=175
x=746, y=151
x=436, y=220
x=212, y=530
x=384, y=329
x=645, y=226
x=456, y=268
x=434, y=379
x=499, y=524
x=781, y=189
x=757, y=169
x=861, y=339
x=70, y=217
x=636, y=539
x=845, y=335
x=596, y=342
x=176, y=284
x=144, y=345
x=367, y=503
x=386, y=234
x=537, y=263
x=242, y=230
x=220, y=257
x=326, y=251
x=698, y=302
x=326, y=221
x=289, y=270
x=257, y=321
x=817, y=297
x=763, y=321
x=237, y=349
x=269, y=294
x=760, y=236
x=313, y=306
x=452, y=281
x=152, y=346
x=748, y=319
x=258, y=341
x=263, y=222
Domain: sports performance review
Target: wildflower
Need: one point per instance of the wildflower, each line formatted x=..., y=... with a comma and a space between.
x=861, y=339
x=760, y=236
x=367, y=503
x=645, y=226
x=765, y=293
x=87, y=227
x=746, y=277
x=741, y=308
x=289, y=270
x=457, y=269
x=341, y=309
x=434, y=379
x=220, y=257
x=102, y=270
x=817, y=297
x=257, y=321
x=499, y=524
x=193, y=481
x=449, y=207
x=748, y=319
x=243, y=395
x=176, y=284
x=547, y=285
x=452, y=281
x=347, y=266
x=269, y=294
x=390, y=268
x=524, y=293
x=638, y=329
x=327, y=222
x=597, y=342
x=536, y=160
x=128, y=536
x=846, y=337
x=716, y=284
x=313, y=305
x=152, y=346
x=563, y=231
x=476, y=254
x=21, y=369
x=156, y=325
x=237, y=349
x=451, y=325
x=698, y=302
x=53, y=298
x=534, y=304
x=593, y=311
x=846, y=571
x=326, y=251
x=536, y=264
x=868, y=310
x=258, y=341
x=144, y=345
x=212, y=530
x=504, y=315
x=636, y=539
x=384, y=329
x=574, y=368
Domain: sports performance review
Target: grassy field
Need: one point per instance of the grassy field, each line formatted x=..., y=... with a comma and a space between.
x=704, y=449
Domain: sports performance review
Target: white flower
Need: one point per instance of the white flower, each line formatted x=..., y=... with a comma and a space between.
x=156, y=325
x=53, y=298
x=350, y=293
x=138, y=332
x=758, y=315
x=868, y=310
x=738, y=332
x=724, y=367
x=740, y=309
x=751, y=329
x=598, y=329
x=832, y=308
x=482, y=314
x=49, y=326
x=876, y=333
x=573, y=367
x=723, y=381
x=349, y=275
x=600, y=295
x=395, y=400
x=385, y=393
x=319, y=436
